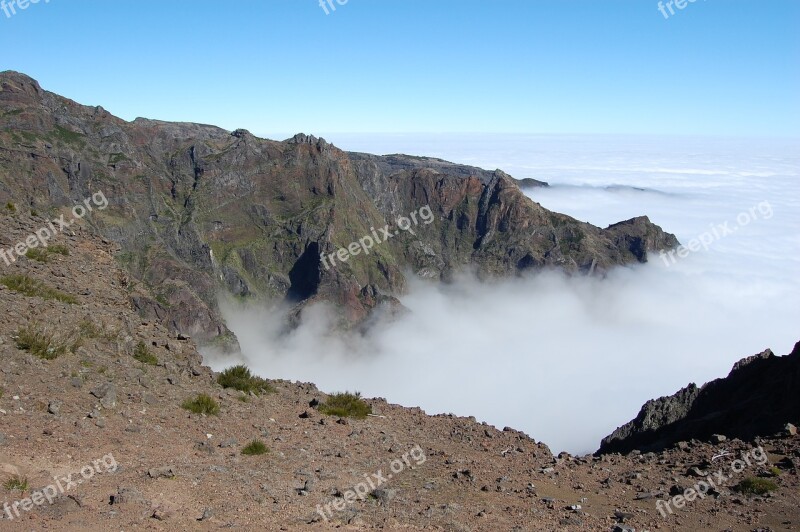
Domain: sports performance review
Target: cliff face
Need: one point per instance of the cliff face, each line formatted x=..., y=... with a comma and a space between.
x=757, y=398
x=195, y=208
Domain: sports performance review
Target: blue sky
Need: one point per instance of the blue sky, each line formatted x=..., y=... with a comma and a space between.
x=504, y=66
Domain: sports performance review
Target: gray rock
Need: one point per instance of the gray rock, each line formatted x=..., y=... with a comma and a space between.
x=127, y=495
x=54, y=407
x=384, y=495
x=107, y=393
x=648, y=495
x=162, y=472
x=205, y=447
x=696, y=472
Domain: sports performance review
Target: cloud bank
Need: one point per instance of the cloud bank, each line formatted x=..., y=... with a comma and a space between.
x=569, y=359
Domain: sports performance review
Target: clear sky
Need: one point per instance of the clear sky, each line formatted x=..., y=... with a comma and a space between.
x=490, y=66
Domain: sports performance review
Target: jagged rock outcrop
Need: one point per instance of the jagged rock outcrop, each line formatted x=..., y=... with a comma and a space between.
x=531, y=183
x=759, y=396
x=196, y=208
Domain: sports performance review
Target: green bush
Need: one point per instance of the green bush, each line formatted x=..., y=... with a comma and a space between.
x=756, y=486
x=30, y=287
x=240, y=378
x=38, y=254
x=45, y=254
x=143, y=355
x=61, y=249
x=346, y=405
x=255, y=448
x=67, y=136
x=202, y=404
x=88, y=329
x=16, y=483
x=39, y=343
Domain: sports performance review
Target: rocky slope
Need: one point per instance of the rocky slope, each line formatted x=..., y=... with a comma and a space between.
x=196, y=208
x=94, y=401
x=759, y=397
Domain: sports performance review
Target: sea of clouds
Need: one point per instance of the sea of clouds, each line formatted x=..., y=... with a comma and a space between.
x=569, y=360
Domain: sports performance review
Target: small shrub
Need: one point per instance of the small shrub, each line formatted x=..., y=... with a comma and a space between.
x=775, y=471
x=76, y=344
x=10, y=207
x=16, y=483
x=45, y=254
x=61, y=249
x=30, y=287
x=67, y=136
x=202, y=404
x=115, y=158
x=756, y=486
x=88, y=329
x=143, y=355
x=346, y=405
x=39, y=343
x=255, y=448
x=240, y=378
x=38, y=254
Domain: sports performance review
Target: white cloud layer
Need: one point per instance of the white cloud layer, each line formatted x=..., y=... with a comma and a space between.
x=568, y=360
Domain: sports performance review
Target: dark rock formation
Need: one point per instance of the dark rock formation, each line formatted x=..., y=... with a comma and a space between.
x=196, y=208
x=531, y=183
x=757, y=398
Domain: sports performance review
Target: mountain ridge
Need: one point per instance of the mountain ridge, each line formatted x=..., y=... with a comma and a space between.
x=197, y=208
